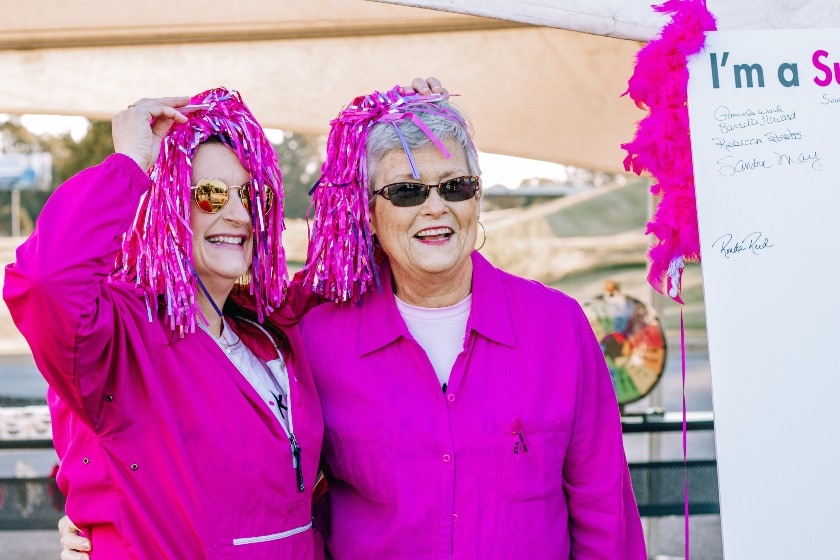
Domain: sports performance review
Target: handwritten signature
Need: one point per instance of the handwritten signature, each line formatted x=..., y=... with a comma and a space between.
x=754, y=242
x=811, y=158
x=728, y=166
x=828, y=100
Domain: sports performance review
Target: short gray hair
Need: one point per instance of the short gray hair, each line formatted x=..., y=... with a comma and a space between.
x=383, y=137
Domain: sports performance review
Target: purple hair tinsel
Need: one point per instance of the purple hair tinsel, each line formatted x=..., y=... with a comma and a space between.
x=662, y=144
x=340, y=264
x=157, y=250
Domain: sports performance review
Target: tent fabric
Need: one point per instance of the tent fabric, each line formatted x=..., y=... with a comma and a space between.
x=635, y=20
x=548, y=92
x=530, y=91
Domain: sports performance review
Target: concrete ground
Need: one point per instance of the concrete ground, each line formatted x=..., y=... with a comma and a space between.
x=30, y=545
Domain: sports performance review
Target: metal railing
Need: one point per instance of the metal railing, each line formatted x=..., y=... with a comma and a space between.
x=36, y=503
x=659, y=485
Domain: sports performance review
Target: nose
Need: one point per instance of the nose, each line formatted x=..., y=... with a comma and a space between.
x=234, y=211
x=434, y=204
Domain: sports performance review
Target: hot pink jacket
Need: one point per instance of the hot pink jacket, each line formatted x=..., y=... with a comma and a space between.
x=166, y=450
x=520, y=457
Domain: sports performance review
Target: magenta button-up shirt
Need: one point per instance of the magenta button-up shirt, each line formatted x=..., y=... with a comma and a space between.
x=521, y=457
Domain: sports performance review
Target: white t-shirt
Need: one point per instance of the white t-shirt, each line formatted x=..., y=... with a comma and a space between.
x=440, y=331
x=270, y=381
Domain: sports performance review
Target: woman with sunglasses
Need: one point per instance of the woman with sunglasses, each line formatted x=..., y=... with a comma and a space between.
x=468, y=413
x=184, y=411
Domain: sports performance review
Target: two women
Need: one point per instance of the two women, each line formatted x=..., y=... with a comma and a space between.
x=468, y=413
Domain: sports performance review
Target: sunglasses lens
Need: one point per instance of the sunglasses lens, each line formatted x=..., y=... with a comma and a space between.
x=269, y=198
x=245, y=196
x=459, y=189
x=407, y=194
x=211, y=195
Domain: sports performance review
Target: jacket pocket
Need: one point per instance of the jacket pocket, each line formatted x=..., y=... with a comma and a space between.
x=281, y=532
x=363, y=463
x=240, y=541
x=532, y=459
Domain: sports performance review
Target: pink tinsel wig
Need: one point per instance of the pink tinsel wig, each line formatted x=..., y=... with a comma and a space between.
x=157, y=249
x=340, y=263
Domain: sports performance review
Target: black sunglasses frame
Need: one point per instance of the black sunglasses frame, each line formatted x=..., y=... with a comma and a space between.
x=467, y=187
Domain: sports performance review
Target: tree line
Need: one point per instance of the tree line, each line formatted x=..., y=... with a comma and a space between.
x=299, y=154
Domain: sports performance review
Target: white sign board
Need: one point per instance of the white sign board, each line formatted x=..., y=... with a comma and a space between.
x=764, y=109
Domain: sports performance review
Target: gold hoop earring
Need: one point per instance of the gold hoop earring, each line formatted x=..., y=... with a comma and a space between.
x=484, y=239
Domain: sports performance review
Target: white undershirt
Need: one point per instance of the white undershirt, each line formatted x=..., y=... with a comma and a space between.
x=269, y=381
x=440, y=332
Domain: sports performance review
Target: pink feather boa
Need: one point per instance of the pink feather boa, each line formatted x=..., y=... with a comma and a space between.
x=662, y=145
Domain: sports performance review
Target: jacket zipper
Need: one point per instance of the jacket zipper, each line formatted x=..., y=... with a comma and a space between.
x=290, y=431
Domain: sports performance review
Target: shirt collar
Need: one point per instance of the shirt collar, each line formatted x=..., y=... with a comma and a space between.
x=380, y=322
x=490, y=313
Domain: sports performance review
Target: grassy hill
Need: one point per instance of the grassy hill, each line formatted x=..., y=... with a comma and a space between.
x=577, y=242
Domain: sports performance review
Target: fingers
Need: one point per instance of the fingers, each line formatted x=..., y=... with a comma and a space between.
x=138, y=129
x=158, y=113
x=73, y=555
x=75, y=545
x=66, y=526
x=76, y=542
x=429, y=86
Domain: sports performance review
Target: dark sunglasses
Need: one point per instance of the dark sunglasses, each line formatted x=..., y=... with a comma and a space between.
x=414, y=194
x=211, y=195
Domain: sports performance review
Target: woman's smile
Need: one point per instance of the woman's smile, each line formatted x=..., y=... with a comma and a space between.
x=434, y=236
x=226, y=240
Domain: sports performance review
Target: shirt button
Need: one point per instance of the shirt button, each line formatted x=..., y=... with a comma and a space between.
x=454, y=517
x=447, y=457
x=450, y=397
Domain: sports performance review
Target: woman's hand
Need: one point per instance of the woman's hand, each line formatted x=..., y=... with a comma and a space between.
x=428, y=86
x=76, y=547
x=139, y=129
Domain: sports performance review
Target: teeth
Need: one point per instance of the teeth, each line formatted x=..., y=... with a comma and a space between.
x=226, y=239
x=435, y=231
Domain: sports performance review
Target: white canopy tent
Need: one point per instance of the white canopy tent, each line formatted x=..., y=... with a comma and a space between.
x=531, y=91
x=550, y=92
x=635, y=20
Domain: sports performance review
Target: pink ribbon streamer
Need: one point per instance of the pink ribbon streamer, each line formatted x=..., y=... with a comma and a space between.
x=684, y=440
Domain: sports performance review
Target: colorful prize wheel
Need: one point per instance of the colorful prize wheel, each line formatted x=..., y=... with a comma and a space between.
x=632, y=340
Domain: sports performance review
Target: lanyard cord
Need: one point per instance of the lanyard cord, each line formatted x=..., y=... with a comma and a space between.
x=295, y=447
